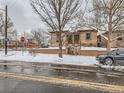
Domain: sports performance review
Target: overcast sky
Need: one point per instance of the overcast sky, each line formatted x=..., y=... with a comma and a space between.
x=22, y=15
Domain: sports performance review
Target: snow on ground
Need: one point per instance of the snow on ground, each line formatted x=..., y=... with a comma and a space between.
x=84, y=48
x=95, y=48
x=119, y=68
x=53, y=48
x=48, y=58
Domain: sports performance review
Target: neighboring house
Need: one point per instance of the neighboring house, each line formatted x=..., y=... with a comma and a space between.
x=12, y=42
x=82, y=37
x=117, y=39
x=30, y=43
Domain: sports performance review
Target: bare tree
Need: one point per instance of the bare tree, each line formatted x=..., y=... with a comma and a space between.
x=2, y=23
x=57, y=14
x=109, y=16
x=39, y=35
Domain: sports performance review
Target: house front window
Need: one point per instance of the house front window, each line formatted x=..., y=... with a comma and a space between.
x=76, y=38
x=88, y=35
x=69, y=38
x=73, y=38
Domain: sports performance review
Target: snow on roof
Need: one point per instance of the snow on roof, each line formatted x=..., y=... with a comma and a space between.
x=87, y=28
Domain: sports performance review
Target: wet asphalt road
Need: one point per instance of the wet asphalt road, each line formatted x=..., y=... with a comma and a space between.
x=8, y=85
x=82, y=73
x=98, y=75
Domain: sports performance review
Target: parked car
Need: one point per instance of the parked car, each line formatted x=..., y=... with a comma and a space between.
x=112, y=58
x=43, y=45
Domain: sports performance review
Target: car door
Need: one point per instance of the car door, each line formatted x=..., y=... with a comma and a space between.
x=119, y=57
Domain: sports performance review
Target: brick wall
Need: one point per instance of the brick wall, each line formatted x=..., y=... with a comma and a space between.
x=90, y=42
x=56, y=51
x=91, y=52
x=47, y=51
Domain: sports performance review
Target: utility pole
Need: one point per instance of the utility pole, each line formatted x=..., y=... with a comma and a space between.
x=6, y=39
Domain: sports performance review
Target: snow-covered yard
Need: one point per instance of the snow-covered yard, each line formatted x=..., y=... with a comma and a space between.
x=84, y=48
x=48, y=58
x=95, y=48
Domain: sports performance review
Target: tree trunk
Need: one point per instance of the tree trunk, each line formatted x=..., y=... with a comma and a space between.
x=108, y=43
x=60, y=45
x=109, y=33
x=60, y=51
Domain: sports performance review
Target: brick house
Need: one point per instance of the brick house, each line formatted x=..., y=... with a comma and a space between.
x=82, y=37
x=117, y=39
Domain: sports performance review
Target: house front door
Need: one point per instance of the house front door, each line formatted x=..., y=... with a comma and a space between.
x=73, y=50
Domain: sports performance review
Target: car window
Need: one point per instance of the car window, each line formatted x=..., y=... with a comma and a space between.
x=121, y=51
x=113, y=52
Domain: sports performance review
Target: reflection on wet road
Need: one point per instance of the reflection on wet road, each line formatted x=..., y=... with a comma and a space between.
x=80, y=74
x=19, y=86
x=90, y=74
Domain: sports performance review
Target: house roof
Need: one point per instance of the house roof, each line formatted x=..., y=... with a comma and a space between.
x=83, y=29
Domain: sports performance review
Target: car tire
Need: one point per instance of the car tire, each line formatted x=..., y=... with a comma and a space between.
x=108, y=61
